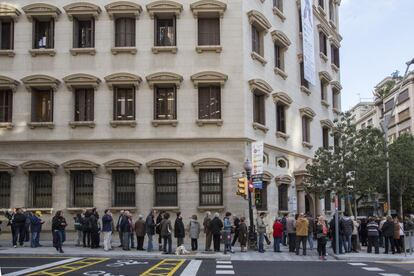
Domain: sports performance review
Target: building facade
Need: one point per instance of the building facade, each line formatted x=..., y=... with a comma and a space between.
x=154, y=104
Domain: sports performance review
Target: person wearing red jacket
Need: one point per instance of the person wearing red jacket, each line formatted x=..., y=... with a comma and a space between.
x=277, y=234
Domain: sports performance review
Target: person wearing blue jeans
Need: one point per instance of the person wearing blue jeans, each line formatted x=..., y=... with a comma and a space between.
x=261, y=230
x=346, y=227
x=58, y=228
x=277, y=234
x=226, y=234
x=35, y=228
x=150, y=229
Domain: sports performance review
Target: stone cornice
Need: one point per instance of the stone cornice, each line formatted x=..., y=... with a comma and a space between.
x=78, y=164
x=283, y=98
x=123, y=8
x=208, y=6
x=260, y=85
x=82, y=9
x=164, y=163
x=8, y=83
x=164, y=78
x=259, y=20
x=7, y=167
x=164, y=6
x=210, y=163
x=325, y=76
x=81, y=80
x=308, y=112
x=123, y=79
x=327, y=123
x=39, y=165
x=283, y=179
x=40, y=81
x=209, y=77
x=8, y=10
x=280, y=38
x=122, y=164
x=41, y=9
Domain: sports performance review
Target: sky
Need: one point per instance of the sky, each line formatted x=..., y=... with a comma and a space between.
x=378, y=38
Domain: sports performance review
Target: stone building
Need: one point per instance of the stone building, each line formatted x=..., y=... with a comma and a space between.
x=154, y=104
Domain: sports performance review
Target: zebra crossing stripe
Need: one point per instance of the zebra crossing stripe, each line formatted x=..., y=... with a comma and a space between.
x=357, y=264
x=191, y=268
x=390, y=274
x=372, y=269
x=223, y=262
x=228, y=272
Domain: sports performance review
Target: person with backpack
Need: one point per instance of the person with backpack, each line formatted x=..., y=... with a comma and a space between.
x=78, y=228
x=150, y=228
x=322, y=237
x=194, y=230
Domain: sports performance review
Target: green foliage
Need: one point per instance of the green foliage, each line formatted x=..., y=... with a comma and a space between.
x=360, y=152
x=385, y=89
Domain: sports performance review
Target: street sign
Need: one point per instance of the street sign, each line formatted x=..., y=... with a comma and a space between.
x=257, y=181
x=257, y=158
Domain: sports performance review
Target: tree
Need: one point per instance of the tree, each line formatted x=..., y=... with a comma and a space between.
x=401, y=154
x=353, y=168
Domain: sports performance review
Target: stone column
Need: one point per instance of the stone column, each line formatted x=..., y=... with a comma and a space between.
x=301, y=201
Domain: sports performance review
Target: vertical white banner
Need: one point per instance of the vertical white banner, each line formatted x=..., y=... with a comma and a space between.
x=308, y=41
x=257, y=158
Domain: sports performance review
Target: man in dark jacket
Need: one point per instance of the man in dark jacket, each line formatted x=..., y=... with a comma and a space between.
x=150, y=229
x=126, y=227
x=107, y=229
x=347, y=226
x=36, y=227
x=160, y=217
x=18, y=223
x=179, y=229
x=216, y=225
x=140, y=232
x=236, y=222
x=373, y=235
x=118, y=229
x=207, y=230
x=86, y=229
x=332, y=230
x=93, y=220
x=388, y=233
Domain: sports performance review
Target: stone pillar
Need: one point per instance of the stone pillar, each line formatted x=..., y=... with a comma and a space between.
x=301, y=201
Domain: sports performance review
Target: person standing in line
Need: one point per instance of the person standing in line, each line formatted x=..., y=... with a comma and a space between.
x=397, y=236
x=277, y=235
x=78, y=228
x=332, y=230
x=27, y=224
x=179, y=229
x=87, y=227
x=166, y=232
x=373, y=235
x=118, y=228
x=58, y=229
x=125, y=227
x=107, y=229
x=150, y=229
x=207, y=230
x=347, y=226
x=355, y=239
x=284, y=221
x=311, y=229
x=243, y=234
x=18, y=224
x=93, y=220
x=291, y=231
x=302, y=225
x=194, y=230
x=388, y=233
x=227, y=227
x=10, y=216
x=160, y=217
x=322, y=237
x=132, y=233
x=236, y=222
x=381, y=236
x=261, y=230
x=216, y=225
x=402, y=235
x=363, y=233
x=36, y=228
x=140, y=232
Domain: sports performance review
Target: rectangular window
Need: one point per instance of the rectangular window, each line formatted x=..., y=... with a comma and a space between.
x=405, y=130
x=211, y=187
x=321, y=3
x=165, y=187
x=328, y=201
x=209, y=106
x=278, y=4
x=335, y=55
x=300, y=21
x=305, y=129
x=40, y=189
x=260, y=198
x=209, y=31
x=84, y=104
x=279, y=57
x=6, y=106
x=83, y=33
x=388, y=105
x=6, y=34
x=259, y=108
x=256, y=43
x=42, y=105
x=165, y=103
x=325, y=137
x=123, y=182
x=404, y=115
x=323, y=91
x=124, y=103
x=281, y=117
x=5, y=184
x=370, y=122
x=403, y=96
x=303, y=81
x=125, y=32
x=82, y=188
x=165, y=29
x=43, y=34
x=323, y=47
x=283, y=197
x=335, y=96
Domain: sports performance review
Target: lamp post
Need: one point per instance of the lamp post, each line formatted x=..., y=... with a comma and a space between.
x=252, y=233
x=385, y=126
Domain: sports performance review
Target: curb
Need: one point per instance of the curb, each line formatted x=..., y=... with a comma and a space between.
x=370, y=259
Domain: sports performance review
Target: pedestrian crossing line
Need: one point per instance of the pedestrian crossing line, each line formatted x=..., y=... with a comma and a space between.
x=191, y=269
x=223, y=262
x=70, y=267
x=357, y=264
x=390, y=274
x=372, y=269
x=228, y=272
x=224, y=266
x=165, y=267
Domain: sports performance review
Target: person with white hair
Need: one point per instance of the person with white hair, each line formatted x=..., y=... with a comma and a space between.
x=140, y=231
x=207, y=230
x=216, y=225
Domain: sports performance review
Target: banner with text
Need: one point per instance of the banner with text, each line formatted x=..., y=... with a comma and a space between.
x=308, y=41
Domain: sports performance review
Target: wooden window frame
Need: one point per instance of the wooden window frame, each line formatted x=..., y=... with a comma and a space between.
x=281, y=122
x=263, y=195
x=11, y=35
x=88, y=104
x=118, y=41
x=303, y=81
x=125, y=117
x=201, y=193
x=157, y=33
x=50, y=39
x=323, y=43
x=335, y=59
x=283, y=197
x=213, y=90
x=77, y=40
x=6, y=105
x=306, y=135
x=325, y=138
x=116, y=202
x=157, y=175
x=156, y=97
x=35, y=103
x=5, y=189
x=211, y=30
x=259, y=108
x=257, y=41
x=324, y=90
x=82, y=177
x=278, y=4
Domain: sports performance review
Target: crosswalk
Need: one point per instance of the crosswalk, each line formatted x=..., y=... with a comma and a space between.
x=224, y=268
x=373, y=269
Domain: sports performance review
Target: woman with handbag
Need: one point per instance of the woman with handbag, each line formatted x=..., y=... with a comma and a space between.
x=322, y=236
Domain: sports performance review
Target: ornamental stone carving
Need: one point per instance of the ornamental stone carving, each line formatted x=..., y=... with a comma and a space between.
x=8, y=83
x=325, y=76
x=261, y=85
x=39, y=165
x=308, y=112
x=284, y=179
x=123, y=8
x=209, y=77
x=257, y=19
x=280, y=38
x=283, y=98
x=82, y=9
x=7, y=10
x=164, y=6
x=208, y=6
x=41, y=9
x=210, y=163
x=79, y=164
x=122, y=79
x=81, y=80
x=164, y=78
x=122, y=164
x=40, y=81
x=7, y=167
x=164, y=163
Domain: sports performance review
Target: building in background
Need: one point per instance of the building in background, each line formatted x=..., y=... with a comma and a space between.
x=154, y=104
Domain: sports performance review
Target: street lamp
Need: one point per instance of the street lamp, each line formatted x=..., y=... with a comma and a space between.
x=385, y=126
x=252, y=233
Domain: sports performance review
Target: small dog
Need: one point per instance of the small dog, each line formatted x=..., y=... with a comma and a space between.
x=181, y=251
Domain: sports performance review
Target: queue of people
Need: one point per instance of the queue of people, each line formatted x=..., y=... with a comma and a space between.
x=297, y=232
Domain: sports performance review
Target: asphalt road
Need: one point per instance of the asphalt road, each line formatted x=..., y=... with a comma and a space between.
x=177, y=267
